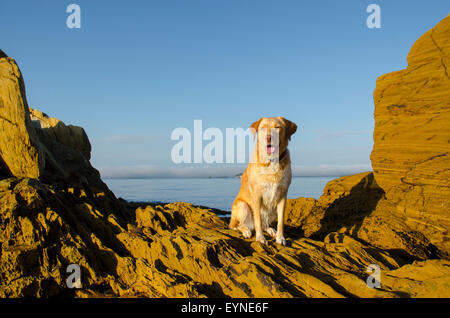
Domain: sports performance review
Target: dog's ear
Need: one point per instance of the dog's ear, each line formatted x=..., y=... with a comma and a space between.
x=291, y=127
x=254, y=126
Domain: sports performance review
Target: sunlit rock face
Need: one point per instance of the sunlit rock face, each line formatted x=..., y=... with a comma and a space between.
x=19, y=147
x=411, y=153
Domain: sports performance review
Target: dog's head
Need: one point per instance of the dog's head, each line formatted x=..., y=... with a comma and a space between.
x=273, y=135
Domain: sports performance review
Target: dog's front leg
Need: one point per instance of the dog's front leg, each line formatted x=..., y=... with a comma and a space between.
x=259, y=236
x=281, y=206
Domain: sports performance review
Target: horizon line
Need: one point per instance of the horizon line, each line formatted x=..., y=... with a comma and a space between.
x=211, y=177
x=208, y=172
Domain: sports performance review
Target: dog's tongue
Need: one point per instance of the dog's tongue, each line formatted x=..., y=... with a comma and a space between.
x=270, y=149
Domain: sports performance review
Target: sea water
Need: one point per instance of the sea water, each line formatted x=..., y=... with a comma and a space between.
x=218, y=193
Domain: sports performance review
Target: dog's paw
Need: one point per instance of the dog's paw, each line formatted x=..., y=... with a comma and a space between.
x=271, y=232
x=246, y=233
x=261, y=239
x=281, y=241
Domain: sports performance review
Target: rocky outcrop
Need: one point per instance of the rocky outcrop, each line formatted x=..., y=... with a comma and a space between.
x=34, y=145
x=56, y=211
x=67, y=152
x=19, y=151
x=178, y=250
x=356, y=206
x=70, y=136
x=344, y=204
x=403, y=206
x=411, y=153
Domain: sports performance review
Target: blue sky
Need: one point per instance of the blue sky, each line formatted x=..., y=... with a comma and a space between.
x=136, y=70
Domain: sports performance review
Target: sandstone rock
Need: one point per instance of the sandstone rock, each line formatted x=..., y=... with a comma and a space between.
x=345, y=202
x=176, y=250
x=356, y=206
x=19, y=152
x=67, y=151
x=411, y=153
x=33, y=145
x=42, y=230
x=425, y=279
x=71, y=136
x=404, y=205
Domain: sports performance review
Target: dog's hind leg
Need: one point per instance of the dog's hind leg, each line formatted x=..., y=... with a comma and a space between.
x=242, y=218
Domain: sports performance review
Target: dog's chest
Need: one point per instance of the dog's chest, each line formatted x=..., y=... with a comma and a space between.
x=272, y=191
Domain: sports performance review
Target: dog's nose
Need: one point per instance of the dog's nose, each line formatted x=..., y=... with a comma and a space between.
x=268, y=138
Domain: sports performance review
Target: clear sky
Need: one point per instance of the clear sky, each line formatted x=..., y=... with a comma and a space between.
x=136, y=70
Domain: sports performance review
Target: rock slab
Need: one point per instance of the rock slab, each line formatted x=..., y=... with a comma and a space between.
x=19, y=150
x=411, y=152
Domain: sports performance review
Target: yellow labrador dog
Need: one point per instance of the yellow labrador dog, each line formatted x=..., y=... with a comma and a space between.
x=265, y=182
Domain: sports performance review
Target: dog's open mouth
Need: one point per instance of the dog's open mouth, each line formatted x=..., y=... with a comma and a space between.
x=270, y=149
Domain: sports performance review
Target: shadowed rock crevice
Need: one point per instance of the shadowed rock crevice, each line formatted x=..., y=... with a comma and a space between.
x=356, y=206
x=350, y=210
x=4, y=170
x=214, y=290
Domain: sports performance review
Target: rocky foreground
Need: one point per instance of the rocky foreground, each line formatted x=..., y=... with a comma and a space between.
x=55, y=211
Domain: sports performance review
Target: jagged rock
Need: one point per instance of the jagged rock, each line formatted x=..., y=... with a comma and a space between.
x=356, y=206
x=344, y=203
x=411, y=153
x=67, y=151
x=34, y=145
x=19, y=152
x=71, y=136
x=404, y=204
x=176, y=250
x=44, y=229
